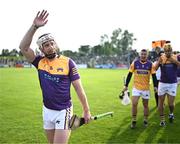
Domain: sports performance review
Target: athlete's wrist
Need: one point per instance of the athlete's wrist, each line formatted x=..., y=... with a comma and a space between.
x=86, y=110
x=35, y=27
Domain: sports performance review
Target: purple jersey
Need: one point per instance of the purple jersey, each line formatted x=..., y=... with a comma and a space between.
x=178, y=70
x=55, y=80
x=168, y=70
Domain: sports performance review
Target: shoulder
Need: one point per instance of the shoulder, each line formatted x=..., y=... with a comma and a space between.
x=178, y=57
x=175, y=56
x=149, y=62
x=67, y=60
x=136, y=61
x=37, y=59
x=62, y=57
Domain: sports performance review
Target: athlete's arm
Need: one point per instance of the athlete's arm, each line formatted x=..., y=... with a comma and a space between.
x=158, y=62
x=83, y=99
x=40, y=20
x=128, y=79
x=155, y=82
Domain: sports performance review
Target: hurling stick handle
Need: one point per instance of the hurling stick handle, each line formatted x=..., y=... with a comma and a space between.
x=102, y=115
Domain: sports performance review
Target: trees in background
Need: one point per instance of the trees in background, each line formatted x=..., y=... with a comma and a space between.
x=118, y=45
x=13, y=52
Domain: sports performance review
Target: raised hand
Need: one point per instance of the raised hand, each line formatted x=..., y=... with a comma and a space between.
x=41, y=18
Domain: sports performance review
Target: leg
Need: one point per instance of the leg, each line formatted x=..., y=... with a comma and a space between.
x=135, y=100
x=171, y=107
x=134, y=110
x=171, y=103
x=161, y=104
x=161, y=109
x=50, y=135
x=48, y=125
x=146, y=109
x=61, y=136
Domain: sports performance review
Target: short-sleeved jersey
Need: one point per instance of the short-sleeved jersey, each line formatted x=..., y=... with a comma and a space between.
x=142, y=72
x=55, y=78
x=168, y=70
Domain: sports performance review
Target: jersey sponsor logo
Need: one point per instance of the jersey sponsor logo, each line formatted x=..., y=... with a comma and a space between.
x=142, y=72
x=51, y=78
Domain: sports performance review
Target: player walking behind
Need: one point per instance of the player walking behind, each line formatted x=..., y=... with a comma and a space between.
x=142, y=69
x=168, y=82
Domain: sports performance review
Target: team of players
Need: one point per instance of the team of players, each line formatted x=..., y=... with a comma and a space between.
x=142, y=68
x=57, y=72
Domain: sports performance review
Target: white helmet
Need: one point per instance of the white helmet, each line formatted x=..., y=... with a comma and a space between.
x=44, y=38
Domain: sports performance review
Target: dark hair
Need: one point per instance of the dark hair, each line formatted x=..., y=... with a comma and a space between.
x=168, y=42
x=143, y=50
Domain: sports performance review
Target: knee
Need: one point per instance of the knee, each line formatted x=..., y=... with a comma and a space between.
x=134, y=104
x=171, y=105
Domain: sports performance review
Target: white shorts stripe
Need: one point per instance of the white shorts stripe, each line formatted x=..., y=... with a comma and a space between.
x=54, y=119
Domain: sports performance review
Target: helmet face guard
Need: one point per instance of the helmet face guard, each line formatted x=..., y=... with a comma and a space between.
x=44, y=38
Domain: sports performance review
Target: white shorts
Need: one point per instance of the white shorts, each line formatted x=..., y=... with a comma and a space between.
x=178, y=79
x=167, y=88
x=144, y=93
x=54, y=119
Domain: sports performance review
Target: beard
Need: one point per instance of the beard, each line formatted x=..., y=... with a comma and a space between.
x=143, y=59
x=50, y=56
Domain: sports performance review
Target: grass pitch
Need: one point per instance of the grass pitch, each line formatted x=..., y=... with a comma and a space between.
x=21, y=108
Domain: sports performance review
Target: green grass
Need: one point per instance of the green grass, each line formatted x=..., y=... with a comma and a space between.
x=21, y=106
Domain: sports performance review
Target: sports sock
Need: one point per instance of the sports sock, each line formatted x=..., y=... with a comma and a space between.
x=162, y=117
x=134, y=118
x=145, y=118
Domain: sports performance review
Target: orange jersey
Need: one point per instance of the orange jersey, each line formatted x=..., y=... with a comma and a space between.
x=142, y=72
